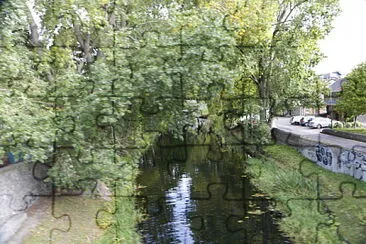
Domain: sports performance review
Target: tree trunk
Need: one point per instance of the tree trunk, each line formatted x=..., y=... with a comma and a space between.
x=263, y=99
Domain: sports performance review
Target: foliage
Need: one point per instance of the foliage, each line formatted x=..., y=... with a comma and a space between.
x=257, y=134
x=276, y=50
x=356, y=124
x=338, y=124
x=86, y=86
x=280, y=64
x=353, y=96
x=98, y=78
x=278, y=175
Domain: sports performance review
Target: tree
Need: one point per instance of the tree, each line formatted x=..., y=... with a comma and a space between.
x=100, y=78
x=352, y=98
x=279, y=50
x=26, y=118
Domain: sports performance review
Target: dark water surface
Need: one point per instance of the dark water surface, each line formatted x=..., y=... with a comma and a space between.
x=195, y=193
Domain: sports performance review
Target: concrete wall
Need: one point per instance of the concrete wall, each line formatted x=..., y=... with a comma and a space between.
x=20, y=186
x=334, y=158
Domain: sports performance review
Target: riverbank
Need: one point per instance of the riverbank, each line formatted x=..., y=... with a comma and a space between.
x=318, y=205
x=81, y=228
x=106, y=216
x=83, y=219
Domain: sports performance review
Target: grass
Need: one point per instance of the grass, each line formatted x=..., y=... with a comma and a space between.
x=120, y=218
x=352, y=130
x=291, y=180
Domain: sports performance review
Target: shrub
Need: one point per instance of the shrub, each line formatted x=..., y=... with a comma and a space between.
x=352, y=124
x=359, y=124
x=258, y=133
x=338, y=124
x=348, y=125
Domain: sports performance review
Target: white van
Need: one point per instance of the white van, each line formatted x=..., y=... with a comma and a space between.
x=320, y=122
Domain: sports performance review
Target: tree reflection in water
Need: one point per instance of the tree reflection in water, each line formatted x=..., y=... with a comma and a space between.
x=196, y=194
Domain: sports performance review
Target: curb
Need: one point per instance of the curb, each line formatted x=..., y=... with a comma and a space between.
x=347, y=135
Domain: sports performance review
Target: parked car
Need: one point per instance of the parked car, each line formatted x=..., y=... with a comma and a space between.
x=295, y=120
x=319, y=122
x=304, y=121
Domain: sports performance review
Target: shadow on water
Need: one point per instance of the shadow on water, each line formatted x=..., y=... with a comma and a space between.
x=196, y=193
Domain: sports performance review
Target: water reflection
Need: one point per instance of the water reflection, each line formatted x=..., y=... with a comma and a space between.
x=198, y=194
x=180, y=199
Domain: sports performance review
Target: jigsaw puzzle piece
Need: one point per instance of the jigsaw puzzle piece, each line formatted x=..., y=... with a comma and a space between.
x=153, y=110
x=18, y=192
x=351, y=200
x=257, y=227
x=58, y=221
x=110, y=218
x=353, y=162
x=323, y=230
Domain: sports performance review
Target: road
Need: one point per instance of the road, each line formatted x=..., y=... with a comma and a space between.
x=315, y=135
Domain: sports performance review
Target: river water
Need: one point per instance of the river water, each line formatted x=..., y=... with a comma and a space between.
x=196, y=193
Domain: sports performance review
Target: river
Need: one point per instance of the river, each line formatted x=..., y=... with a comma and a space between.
x=199, y=193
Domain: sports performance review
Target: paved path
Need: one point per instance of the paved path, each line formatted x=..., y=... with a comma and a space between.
x=34, y=216
x=315, y=135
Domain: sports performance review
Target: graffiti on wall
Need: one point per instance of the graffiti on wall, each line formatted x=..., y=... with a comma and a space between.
x=354, y=164
x=324, y=155
x=349, y=162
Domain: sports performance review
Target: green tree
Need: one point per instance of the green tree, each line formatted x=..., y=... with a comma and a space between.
x=352, y=98
x=280, y=50
x=99, y=79
x=26, y=118
x=286, y=68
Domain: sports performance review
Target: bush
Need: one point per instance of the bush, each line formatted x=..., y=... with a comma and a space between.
x=359, y=124
x=259, y=133
x=348, y=125
x=338, y=124
x=352, y=124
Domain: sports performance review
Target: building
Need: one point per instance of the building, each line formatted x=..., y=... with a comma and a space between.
x=332, y=76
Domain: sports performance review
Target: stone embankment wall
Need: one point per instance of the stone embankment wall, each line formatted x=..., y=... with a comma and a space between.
x=20, y=186
x=331, y=157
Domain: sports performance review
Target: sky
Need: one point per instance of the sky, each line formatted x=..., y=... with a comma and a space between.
x=345, y=46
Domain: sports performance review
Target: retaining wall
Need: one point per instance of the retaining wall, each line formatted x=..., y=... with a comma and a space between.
x=331, y=157
x=20, y=186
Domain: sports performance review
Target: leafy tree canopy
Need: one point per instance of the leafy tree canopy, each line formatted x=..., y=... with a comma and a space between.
x=352, y=99
x=87, y=84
